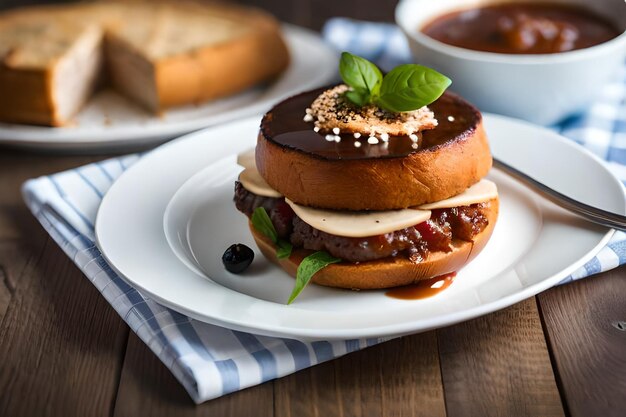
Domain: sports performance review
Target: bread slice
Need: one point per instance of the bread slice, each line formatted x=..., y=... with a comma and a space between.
x=388, y=272
x=309, y=170
x=160, y=54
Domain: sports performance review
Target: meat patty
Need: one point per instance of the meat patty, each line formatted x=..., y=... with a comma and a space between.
x=413, y=242
x=280, y=212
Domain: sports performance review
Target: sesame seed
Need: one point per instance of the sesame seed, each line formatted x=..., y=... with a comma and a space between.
x=372, y=140
x=308, y=118
x=329, y=138
x=331, y=111
x=337, y=138
x=451, y=118
x=357, y=144
x=414, y=146
x=413, y=137
x=308, y=111
x=316, y=129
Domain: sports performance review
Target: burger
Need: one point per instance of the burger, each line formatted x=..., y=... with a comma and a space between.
x=374, y=183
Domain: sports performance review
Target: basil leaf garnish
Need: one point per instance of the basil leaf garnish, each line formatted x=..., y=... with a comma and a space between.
x=405, y=88
x=360, y=74
x=262, y=222
x=359, y=97
x=410, y=87
x=284, y=249
x=309, y=267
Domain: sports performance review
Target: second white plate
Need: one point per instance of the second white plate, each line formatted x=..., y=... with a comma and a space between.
x=110, y=122
x=534, y=246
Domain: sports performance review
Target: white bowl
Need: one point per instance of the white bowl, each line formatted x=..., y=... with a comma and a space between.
x=542, y=89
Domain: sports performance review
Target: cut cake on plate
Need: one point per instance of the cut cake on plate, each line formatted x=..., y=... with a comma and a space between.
x=159, y=54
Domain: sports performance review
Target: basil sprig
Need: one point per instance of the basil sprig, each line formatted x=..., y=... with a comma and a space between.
x=360, y=74
x=262, y=222
x=409, y=87
x=284, y=249
x=309, y=267
x=405, y=88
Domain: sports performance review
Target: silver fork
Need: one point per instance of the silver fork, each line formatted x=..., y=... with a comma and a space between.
x=593, y=214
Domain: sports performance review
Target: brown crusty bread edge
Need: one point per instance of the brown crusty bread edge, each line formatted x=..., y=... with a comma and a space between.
x=220, y=70
x=427, y=176
x=389, y=272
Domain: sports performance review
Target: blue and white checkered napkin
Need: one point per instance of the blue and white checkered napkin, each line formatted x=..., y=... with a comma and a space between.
x=211, y=361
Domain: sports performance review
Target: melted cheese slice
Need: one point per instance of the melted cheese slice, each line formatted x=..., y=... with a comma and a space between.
x=482, y=191
x=359, y=223
x=246, y=159
x=254, y=182
x=363, y=224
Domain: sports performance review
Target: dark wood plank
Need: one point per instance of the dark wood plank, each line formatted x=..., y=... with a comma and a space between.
x=21, y=236
x=60, y=343
x=397, y=378
x=6, y=291
x=148, y=388
x=498, y=365
x=14, y=258
x=16, y=221
x=308, y=13
x=588, y=344
x=314, y=13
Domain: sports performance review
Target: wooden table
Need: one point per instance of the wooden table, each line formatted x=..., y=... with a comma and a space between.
x=64, y=351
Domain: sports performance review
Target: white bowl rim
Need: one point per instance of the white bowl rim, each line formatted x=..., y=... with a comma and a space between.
x=526, y=59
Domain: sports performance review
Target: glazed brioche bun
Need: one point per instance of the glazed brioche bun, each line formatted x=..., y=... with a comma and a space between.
x=424, y=176
x=388, y=272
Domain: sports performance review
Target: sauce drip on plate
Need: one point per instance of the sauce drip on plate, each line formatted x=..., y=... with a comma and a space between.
x=423, y=289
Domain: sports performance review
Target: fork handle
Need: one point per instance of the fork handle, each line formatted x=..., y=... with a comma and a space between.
x=593, y=214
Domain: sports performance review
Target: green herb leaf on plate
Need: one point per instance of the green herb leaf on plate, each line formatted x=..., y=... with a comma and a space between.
x=262, y=222
x=360, y=74
x=309, y=267
x=284, y=249
x=409, y=87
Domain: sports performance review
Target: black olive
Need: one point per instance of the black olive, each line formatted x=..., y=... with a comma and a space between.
x=237, y=258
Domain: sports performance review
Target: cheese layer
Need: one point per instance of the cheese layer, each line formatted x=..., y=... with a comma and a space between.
x=483, y=190
x=246, y=159
x=359, y=223
x=363, y=223
x=254, y=182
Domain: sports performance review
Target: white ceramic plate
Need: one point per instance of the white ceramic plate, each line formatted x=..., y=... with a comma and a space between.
x=187, y=186
x=110, y=122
